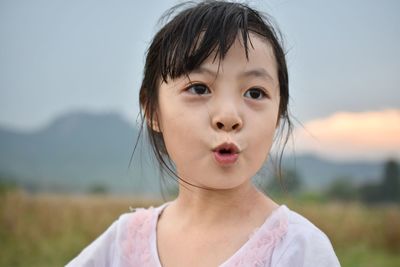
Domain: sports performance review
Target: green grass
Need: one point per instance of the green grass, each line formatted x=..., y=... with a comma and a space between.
x=48, y=230
x=362, y=255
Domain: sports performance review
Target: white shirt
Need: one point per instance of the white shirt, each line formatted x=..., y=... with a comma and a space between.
x=285, y=239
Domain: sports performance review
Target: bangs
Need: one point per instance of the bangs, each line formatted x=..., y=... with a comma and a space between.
x=196, y=33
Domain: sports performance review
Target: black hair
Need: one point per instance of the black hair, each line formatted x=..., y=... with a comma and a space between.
x=190, y=37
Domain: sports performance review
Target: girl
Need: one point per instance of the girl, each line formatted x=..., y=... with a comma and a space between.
x=214, y=92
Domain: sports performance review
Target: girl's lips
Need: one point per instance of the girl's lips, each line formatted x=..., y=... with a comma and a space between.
x=226, y=153
x=225, y=159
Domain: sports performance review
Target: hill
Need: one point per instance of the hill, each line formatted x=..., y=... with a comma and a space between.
x=77, y=152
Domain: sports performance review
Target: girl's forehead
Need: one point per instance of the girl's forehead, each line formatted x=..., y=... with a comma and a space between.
x=258, y=61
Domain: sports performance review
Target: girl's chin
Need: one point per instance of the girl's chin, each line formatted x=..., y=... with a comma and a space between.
x=219, y=183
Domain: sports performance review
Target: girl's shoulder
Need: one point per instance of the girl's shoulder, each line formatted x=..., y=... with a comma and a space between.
x=126, y=240
x=137, y=219
x=304, y=244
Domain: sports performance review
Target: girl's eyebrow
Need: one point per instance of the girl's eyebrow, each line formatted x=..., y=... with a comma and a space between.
x=257, y=72
x=204, y=70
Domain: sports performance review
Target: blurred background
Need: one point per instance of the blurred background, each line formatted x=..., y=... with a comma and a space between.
x=69, y=78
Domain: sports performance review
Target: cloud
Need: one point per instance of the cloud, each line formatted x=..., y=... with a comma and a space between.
x=344, y=135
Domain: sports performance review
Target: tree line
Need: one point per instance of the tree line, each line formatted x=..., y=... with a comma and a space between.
x=386, y=190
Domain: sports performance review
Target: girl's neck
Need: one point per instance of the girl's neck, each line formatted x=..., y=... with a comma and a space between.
x=196, y=206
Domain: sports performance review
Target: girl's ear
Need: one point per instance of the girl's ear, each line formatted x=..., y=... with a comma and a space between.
x=154, y=123
x=155, y=126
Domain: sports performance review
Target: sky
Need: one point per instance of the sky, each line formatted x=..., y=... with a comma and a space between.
x=343, y=58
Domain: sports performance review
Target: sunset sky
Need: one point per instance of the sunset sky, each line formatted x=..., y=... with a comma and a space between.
x=343, y=58
x=370, y=135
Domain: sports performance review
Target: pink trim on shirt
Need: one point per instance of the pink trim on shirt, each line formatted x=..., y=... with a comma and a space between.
x=140, y=245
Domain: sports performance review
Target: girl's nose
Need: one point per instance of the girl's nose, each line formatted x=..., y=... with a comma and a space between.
x=227, y=121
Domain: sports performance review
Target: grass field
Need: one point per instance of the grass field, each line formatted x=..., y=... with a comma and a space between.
x=49, y=230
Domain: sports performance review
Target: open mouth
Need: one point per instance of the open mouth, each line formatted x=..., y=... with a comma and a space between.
x=227, y=148
x=224, y=151
x=226, y=154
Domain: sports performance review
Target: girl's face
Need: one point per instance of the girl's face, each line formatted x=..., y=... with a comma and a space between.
x=232, y=105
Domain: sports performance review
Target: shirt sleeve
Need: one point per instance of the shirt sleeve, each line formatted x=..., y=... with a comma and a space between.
x=100, y=252
x=309, y=249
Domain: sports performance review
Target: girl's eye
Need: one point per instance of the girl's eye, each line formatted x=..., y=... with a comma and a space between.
x=255, y=93
x=198, y=89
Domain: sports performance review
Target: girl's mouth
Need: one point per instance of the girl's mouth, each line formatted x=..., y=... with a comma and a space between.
x=226, y=154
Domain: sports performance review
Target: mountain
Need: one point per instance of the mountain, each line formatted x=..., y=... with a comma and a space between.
x=319, y=173
x=82, y=151
x=77, y=152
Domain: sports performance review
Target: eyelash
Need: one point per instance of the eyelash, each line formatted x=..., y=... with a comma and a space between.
x=263, y=94
x=192, y=86
x=191, y=89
